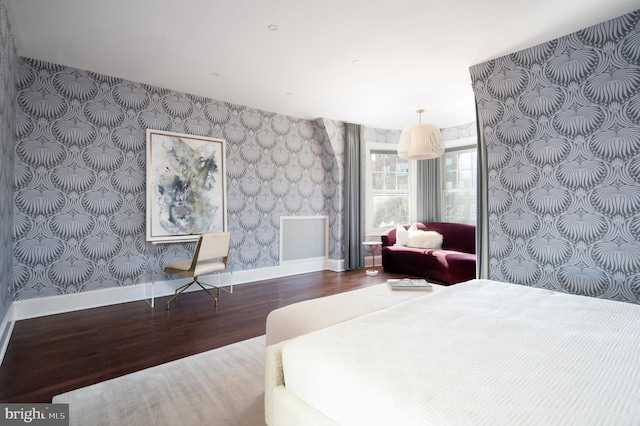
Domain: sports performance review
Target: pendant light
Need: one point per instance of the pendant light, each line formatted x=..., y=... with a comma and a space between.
x=420, y=141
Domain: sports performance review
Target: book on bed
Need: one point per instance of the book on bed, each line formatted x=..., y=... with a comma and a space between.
x=408, y=284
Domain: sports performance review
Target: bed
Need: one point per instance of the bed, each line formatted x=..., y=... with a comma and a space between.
x=310, y=315
x=477, y=353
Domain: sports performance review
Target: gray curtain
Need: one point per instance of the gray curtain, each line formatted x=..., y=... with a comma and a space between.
x=429, y=190
x=482, y=206
x=353, y=199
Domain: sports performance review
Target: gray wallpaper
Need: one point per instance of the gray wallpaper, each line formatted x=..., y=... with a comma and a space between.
x=334, y=138
x=7, y=123
x=461, y=131
x=80, y=178
x=370, y=134
x=79, y=204
x=561, y=122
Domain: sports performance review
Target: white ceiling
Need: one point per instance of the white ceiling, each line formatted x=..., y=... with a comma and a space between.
x=414, y=53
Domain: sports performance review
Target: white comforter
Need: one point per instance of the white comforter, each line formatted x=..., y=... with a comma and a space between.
x=475, y=353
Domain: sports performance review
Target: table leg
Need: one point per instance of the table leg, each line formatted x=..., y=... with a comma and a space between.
x=373, y=271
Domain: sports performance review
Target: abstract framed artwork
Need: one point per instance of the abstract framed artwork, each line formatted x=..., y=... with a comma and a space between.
x=186, y=186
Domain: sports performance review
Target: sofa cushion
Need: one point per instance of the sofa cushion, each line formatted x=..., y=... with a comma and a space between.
x=425, y=239
x=402, y=234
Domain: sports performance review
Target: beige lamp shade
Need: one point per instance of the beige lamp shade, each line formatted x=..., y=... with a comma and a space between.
x=420, y=142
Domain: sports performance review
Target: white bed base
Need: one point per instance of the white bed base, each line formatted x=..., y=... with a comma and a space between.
x=602, y=387
x=304, y=317
x=281, y=406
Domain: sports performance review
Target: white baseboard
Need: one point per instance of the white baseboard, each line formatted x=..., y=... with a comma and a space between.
x=335, y=265
x=5, y=331
x=51, y=305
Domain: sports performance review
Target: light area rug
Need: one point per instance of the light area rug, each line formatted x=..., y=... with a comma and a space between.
x=221, y=387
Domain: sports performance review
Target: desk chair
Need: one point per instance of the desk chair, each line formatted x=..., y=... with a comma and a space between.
x=210, y=255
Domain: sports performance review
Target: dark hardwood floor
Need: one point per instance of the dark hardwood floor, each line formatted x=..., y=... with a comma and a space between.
x=55, y=354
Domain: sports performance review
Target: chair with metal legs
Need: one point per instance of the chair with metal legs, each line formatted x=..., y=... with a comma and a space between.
x=210, y=255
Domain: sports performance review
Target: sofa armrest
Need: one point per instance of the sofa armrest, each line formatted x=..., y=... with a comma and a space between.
x=388, y=237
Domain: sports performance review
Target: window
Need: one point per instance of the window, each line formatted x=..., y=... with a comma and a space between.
x=391, y=187
x=459, y=186
x=389, y=198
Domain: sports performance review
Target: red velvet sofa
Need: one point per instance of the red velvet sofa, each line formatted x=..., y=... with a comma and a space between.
x=455, y=262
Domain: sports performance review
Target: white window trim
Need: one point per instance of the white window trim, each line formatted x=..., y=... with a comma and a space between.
x=456, y=145
x=378, y=146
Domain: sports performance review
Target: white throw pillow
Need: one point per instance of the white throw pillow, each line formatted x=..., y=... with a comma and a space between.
x=425, y=239
x=402, y=234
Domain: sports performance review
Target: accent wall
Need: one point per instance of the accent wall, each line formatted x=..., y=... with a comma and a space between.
x=561, y=125
x=80, y=178
x=8, y=59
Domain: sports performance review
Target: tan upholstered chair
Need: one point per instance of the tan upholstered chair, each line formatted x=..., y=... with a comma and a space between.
x=210, y=255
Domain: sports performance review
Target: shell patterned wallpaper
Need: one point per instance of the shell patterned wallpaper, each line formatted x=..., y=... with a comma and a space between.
x=7, y=123
x=80, y=178
x=561, y=122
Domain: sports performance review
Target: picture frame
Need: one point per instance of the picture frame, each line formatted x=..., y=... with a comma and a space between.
x=186, y=186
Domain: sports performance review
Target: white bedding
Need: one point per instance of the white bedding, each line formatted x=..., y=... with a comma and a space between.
x=475, y=353
x=311, y=315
